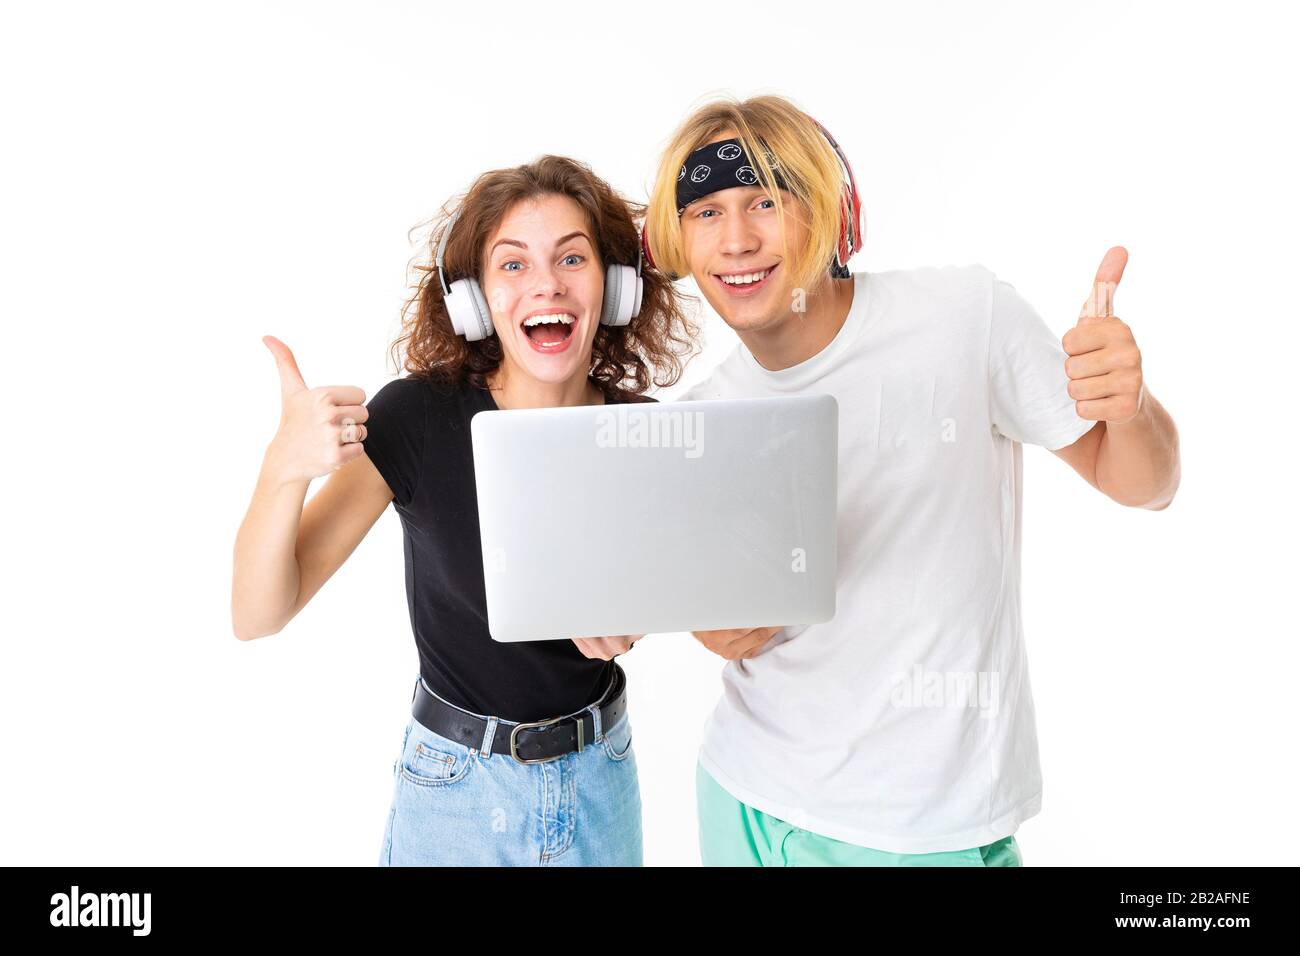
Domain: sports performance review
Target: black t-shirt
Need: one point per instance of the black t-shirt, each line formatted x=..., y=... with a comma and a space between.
x=418, y=437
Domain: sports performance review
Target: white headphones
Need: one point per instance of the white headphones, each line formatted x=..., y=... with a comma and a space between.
x=471, y=317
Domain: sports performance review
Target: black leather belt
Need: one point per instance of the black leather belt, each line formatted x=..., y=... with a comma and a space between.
x=531, y=741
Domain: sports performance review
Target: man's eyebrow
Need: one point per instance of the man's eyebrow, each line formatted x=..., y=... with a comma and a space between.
x=559, y=242
x=712, y=197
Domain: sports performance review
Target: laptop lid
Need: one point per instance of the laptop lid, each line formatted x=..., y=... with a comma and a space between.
x=601, y=520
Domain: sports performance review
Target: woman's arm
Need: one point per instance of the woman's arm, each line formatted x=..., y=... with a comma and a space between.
x=283, y=551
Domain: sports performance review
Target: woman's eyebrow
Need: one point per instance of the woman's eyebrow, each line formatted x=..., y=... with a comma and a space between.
x=559, y=242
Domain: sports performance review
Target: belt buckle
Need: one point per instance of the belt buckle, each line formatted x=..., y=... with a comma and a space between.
x=514, y=752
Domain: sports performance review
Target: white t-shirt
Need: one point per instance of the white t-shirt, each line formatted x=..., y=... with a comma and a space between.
x=906, y=724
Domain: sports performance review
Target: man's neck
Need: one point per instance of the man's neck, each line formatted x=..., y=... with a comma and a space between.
x=801, y=335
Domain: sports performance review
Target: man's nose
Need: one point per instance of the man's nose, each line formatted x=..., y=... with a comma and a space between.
x=737, y=237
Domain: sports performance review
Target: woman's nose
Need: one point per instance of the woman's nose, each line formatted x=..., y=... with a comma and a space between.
x=547, y=282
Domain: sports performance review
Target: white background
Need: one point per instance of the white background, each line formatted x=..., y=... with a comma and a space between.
x=181, y=179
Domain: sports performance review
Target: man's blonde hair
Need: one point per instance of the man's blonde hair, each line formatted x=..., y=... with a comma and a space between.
x=769, y=128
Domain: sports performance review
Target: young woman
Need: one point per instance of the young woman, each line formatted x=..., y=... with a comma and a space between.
x=516, y=753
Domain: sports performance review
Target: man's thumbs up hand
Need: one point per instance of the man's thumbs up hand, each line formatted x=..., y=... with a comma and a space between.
x=321, y=428
x=1100, y=302
x=1104, y=364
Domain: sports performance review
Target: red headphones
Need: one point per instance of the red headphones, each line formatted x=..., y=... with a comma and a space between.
x=850, y=240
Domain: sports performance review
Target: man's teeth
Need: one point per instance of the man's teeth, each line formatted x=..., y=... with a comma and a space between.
x=747, y=278
x=564, y=317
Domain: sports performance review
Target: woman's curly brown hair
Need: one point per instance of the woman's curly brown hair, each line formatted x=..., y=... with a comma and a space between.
x=651, y=349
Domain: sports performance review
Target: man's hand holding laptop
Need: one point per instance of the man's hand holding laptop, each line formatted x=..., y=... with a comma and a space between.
x=736, y=643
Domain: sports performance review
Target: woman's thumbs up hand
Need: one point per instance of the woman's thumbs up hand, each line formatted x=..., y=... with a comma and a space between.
x=321, y=428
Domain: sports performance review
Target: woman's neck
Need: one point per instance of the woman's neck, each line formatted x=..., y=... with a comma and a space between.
x=513, y=390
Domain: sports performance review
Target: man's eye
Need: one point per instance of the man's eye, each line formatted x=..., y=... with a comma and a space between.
x=771, y=203
x=702, y=213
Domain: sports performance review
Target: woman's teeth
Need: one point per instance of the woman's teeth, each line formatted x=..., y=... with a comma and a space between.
x=551, y=331
x=747, y=278
x=565, y=317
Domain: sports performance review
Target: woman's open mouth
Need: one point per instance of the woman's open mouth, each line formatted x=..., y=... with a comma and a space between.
x=744, y=284
x=550, y=332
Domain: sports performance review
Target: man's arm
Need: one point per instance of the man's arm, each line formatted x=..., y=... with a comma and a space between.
x=1131, y=454
x=1135, y=463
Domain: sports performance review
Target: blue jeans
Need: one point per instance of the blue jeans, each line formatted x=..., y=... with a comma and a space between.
x=457, y=805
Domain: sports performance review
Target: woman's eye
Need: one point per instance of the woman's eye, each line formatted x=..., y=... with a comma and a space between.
x=702, y=213
x=572, y=255
x=512, y=262
x=771, y=203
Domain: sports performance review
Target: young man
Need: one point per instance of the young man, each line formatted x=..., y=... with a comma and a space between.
x=901, y=732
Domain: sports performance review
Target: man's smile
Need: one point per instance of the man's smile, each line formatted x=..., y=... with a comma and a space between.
x=742, y=284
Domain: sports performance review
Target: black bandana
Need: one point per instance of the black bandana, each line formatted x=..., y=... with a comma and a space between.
x=716, y=166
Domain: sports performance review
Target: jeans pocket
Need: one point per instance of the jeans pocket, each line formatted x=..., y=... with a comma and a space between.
x=431, y=760
x=618, y=739
x=406, y=735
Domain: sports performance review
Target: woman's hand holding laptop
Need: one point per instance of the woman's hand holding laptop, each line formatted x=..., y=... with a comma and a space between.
x=606, y=648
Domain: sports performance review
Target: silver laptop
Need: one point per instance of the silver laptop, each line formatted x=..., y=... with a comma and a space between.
x=603, y=520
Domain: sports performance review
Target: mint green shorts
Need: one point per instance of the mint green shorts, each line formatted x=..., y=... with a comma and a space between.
x=735, y=834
